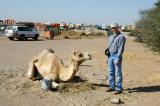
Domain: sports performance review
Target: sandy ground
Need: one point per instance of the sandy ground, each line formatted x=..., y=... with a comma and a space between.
x=140, y=70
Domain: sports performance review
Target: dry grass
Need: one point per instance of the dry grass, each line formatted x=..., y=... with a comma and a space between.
x=71, y=34
x=76, y=87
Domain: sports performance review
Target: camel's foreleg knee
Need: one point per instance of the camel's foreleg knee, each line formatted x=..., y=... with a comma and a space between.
x=31, y=69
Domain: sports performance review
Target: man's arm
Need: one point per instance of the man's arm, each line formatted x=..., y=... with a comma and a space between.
x=120, y=49
x=122, y=45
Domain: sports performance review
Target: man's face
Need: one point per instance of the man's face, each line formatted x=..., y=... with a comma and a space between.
x=115, y=29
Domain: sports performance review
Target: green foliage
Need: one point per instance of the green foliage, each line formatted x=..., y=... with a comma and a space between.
x=148, y=27
x=136, y=33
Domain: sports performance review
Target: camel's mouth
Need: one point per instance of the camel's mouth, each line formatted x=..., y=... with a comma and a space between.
x=86, y=56
x=90, y=57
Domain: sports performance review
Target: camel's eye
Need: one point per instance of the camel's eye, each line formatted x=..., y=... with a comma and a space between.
x=81, y=55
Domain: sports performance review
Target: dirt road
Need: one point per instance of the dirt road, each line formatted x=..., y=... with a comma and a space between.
x=141, y=71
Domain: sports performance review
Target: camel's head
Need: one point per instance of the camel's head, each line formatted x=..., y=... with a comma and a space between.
x=80, y=57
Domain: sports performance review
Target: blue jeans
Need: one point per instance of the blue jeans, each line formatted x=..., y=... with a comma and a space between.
x=115, y=72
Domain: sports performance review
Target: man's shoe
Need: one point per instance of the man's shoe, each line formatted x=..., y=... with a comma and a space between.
x=117, y=92
x=109, y=90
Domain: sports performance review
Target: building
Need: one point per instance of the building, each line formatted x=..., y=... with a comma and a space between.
x=9, y=22
x=41, y=27
x=128, y=27
x=1, y=22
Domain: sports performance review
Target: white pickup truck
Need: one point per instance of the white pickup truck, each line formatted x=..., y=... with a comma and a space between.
x=21, y=32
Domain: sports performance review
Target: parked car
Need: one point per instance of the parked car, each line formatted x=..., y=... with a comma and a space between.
x=21, y=32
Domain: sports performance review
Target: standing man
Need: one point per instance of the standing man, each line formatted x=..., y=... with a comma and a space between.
x=116, y=48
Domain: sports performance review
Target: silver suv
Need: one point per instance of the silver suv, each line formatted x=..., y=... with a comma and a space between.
x=21, y=32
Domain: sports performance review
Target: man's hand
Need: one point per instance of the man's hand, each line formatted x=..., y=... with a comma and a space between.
x=107, y=61
x=117, y=62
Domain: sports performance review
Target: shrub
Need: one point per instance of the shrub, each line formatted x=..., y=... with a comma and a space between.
x=148, y=27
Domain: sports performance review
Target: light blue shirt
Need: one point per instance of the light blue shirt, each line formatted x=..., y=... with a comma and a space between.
x=117, y=46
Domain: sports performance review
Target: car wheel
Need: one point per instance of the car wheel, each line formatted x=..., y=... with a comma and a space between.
x=22, y=37
x=36, y=37
x=25, y=38
x=11, y=38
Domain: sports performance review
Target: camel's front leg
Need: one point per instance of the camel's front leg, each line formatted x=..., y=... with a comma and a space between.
x=31, y=69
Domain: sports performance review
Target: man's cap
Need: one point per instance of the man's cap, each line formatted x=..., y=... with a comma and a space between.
x=114, y=25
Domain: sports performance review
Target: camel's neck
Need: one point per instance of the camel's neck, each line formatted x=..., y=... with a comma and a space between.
x=69, y=72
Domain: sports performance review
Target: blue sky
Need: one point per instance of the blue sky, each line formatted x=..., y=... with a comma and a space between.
x=75, y=11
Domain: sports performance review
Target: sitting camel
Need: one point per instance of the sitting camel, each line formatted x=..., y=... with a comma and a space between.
x=50, y=66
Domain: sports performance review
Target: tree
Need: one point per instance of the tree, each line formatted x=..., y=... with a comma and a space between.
x=149, y=27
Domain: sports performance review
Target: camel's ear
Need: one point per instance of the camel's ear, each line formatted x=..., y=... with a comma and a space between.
x=74, y=52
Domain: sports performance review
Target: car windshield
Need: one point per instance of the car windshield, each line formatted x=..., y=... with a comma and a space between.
x=10, y=28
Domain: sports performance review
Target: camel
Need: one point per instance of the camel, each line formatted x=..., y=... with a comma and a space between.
x=49, y=65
